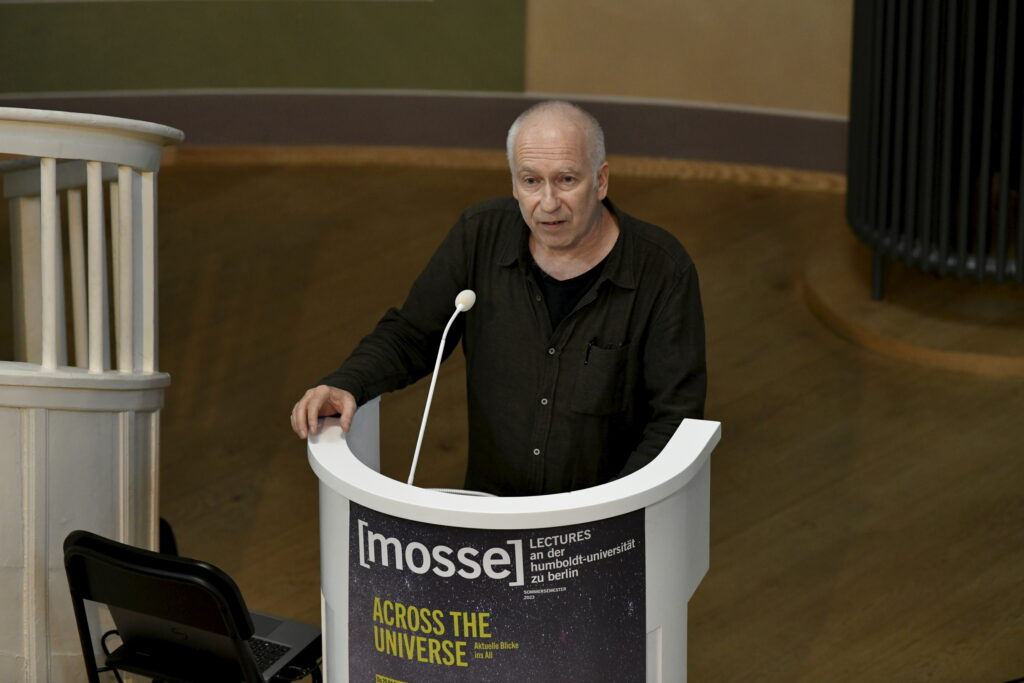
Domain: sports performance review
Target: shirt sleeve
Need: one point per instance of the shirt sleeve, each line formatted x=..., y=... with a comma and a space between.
x=403, y=346
x=674, y=368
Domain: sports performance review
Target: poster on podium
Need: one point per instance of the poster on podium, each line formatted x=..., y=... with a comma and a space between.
x=436, y=603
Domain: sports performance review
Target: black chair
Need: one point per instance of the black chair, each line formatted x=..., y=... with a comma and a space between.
x=179, y=620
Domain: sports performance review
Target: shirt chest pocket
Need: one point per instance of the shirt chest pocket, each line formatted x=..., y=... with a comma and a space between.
x=600, y=381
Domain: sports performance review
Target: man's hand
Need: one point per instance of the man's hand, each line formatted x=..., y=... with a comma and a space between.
x=319, y=401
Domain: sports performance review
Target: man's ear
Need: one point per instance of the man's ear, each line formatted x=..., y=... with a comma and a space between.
x=602, y=181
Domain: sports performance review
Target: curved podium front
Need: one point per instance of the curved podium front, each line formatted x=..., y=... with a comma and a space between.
x=421, y=586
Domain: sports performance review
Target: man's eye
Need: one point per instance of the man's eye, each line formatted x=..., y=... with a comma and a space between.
x=568, y=180
x=529, y=181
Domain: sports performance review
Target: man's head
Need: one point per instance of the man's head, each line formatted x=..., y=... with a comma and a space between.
x=559, y=173
x=592, y=131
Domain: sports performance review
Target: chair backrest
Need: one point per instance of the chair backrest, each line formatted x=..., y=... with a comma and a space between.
x=143, y=589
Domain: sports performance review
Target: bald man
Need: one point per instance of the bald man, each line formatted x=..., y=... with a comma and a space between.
x=585, y=349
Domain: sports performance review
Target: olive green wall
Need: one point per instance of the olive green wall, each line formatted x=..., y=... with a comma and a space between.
x=88, y=46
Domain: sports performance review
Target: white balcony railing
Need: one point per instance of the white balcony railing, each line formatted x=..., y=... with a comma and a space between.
x=79, y=441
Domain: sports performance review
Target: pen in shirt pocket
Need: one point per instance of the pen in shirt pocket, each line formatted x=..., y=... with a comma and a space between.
x=592, y=343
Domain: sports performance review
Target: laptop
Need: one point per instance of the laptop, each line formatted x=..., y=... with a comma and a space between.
x=277, y=643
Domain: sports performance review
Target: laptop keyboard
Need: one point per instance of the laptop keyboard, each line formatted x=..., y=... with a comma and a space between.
x=266, y=652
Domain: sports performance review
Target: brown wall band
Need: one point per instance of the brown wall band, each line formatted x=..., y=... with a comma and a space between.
x=632, y=127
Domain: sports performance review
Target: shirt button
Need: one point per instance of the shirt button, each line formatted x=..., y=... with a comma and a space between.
x=536, y=451
x=538, y=297
x=551, y=351
x=543, y=401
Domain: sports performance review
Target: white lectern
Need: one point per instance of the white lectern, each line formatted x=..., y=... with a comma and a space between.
x=421, y=586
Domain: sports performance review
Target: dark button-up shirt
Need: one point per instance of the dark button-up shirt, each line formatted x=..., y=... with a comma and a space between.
x=550, y=410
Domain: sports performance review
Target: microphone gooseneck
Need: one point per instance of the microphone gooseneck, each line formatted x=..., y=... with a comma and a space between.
x=463, y=302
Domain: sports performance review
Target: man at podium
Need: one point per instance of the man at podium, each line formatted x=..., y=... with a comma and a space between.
x=585, y=349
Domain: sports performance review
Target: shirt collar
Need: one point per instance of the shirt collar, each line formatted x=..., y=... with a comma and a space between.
x=619, y=264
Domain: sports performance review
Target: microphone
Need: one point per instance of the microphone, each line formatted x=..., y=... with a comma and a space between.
x=463, y=302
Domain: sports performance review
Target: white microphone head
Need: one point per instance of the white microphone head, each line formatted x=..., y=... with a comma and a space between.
x=465, y=300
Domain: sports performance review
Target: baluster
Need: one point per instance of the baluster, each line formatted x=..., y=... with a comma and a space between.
x=99, y=328
x=115, y=259
x=124, y=284
x=50, y=255
x=76, y=253
x=149, y=276
x=135, y=282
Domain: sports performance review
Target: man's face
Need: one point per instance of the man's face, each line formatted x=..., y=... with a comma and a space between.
x=558, y=192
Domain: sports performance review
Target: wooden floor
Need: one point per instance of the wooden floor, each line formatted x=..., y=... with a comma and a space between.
x=867, y=513
x=942, y=322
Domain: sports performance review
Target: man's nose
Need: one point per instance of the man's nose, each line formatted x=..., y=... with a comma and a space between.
x=549, y=200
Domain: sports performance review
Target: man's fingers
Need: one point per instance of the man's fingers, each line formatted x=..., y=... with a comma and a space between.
x=313, y=412
x=322, y=400
x=298, y=419
x=347, y=408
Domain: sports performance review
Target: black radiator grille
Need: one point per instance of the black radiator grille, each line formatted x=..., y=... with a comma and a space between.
x=935, y=138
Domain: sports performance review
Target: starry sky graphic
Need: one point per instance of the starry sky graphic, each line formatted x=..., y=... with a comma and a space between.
x=591, y=631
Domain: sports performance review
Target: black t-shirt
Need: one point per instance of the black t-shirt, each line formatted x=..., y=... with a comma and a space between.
x=561, y=296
